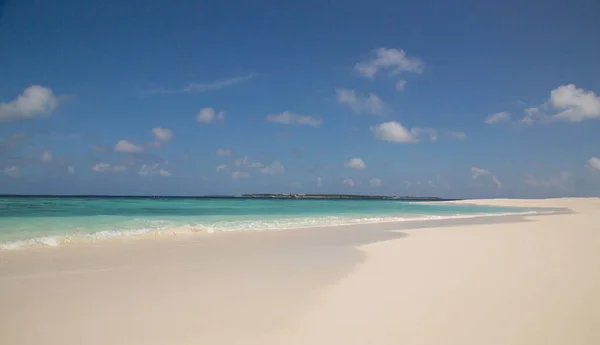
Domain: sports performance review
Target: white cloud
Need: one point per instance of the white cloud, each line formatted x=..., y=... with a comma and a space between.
x=566, y=103
x=355, y=163
x=575, y=104
x=152, y=170
x=236, y=175
x=594, y=162
x=106, y=167
x=12, y=171
x=209, y=115
x=101, y=167
x=294, y=119
x=394, y=131
x=219, y=84
x=497, y=118
x=255, y=165
x=71, y=169
x=241, y=161
x=395, y=60
x=319, y=182
x=46, y=156
x=247, y=163
x=127, y=146
x=401, y=85
x=203, y=87
x=563, y=181
x=146, y=170
x=162, y=134
x=458, y=135
x=33, y=102
x=432, y=134
x=496, y=181
x=477, y=172
x=418, y=132
x=531, y=115
x=273, y=168
x=375, y=182
x=348, y=182
x=359, y=104
x=221, y=167
x=224, y=152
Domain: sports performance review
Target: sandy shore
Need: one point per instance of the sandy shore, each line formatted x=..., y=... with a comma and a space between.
x=499, y=280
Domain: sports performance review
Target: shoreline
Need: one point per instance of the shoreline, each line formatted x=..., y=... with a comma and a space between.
x=515, y=280
x=54, y=241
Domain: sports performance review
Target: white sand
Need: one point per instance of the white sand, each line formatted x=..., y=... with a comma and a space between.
x=521, y=281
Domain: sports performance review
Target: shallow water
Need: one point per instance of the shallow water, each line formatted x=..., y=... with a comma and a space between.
x=33, y=221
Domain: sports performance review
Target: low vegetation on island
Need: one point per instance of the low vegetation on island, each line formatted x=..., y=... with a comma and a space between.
x=339, y=196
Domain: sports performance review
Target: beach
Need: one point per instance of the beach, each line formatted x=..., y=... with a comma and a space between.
x=527, y=279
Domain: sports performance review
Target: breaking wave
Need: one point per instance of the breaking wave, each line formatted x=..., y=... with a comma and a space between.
x=164, y=229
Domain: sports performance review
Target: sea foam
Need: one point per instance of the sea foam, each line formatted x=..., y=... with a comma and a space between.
x=163, y=230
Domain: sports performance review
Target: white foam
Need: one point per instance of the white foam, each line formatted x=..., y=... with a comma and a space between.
x=105, y=235
x=245, y=225
x=46, y=241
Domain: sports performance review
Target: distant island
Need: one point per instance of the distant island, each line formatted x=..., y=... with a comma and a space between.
x=243, y=196
x=340, y=196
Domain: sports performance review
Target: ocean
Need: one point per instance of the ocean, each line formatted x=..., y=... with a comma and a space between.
x=54, y=221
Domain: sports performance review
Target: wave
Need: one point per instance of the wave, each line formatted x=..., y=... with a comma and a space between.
x=228, y=226
x=105, y=235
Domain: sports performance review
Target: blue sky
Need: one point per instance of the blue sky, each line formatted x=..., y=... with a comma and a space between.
x=452, y=99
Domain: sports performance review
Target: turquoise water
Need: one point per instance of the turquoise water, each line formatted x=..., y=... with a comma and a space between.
x=53, y=221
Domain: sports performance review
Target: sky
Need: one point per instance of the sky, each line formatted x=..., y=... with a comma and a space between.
x=424, y=98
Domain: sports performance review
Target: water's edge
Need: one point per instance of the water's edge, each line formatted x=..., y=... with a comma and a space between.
x=303, y=223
